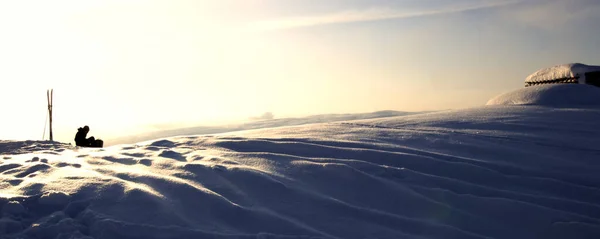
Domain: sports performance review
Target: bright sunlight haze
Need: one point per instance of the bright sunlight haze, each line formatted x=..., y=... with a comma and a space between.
x=123, y=67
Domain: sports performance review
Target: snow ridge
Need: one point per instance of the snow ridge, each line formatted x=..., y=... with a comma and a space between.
x=552, y=95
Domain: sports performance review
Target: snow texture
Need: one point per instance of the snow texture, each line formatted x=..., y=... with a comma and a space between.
x=490, y=172
x=555, y=95
x=54, y=198
x=562, y=71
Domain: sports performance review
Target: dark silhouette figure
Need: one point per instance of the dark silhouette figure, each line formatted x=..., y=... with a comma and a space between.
x=81, y=140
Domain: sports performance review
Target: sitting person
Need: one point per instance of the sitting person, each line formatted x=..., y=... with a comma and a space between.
x=81, y=140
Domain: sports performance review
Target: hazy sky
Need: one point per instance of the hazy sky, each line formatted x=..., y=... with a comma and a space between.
x=125, y=66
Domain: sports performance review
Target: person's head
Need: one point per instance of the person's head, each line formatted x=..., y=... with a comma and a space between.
x=86, y=128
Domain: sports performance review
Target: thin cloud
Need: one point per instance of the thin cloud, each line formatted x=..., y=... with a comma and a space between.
x=552, y=14
x=361, y=16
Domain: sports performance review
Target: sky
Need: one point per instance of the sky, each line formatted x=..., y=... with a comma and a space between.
x=129, y=66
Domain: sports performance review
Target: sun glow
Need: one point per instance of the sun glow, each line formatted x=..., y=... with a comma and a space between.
x=129, y=66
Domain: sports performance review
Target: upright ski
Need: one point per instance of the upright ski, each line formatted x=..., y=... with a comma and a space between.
x=49, y=96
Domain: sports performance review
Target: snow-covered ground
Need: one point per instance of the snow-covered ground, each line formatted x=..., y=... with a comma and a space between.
x=489, y=172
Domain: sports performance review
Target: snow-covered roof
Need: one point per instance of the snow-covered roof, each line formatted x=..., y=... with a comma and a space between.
x=565, y=71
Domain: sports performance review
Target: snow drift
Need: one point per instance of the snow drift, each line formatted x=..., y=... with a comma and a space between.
x=490, y=172
x=551, y=95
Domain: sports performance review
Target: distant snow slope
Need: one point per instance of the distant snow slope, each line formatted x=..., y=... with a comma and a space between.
x=258, y=124
x=489, y=172
x=551, y=95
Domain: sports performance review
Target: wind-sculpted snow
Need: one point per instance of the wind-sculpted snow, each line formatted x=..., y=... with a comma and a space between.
x=492, y=172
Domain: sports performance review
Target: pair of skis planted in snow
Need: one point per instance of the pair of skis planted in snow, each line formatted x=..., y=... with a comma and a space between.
x=49, y=94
